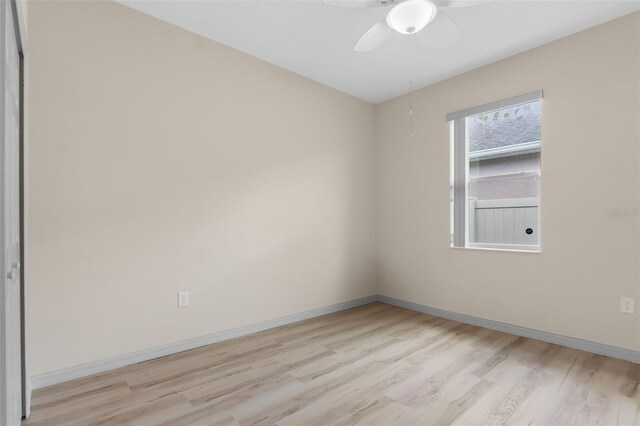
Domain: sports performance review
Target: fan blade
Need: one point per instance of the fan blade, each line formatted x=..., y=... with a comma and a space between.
x=358, y=3
x=374, y=37
x=441, y=33
x=459, y=3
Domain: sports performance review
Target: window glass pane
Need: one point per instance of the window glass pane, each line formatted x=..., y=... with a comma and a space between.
x=503, y=153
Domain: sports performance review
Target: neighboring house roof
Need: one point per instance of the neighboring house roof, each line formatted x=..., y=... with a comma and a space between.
x=515, y=125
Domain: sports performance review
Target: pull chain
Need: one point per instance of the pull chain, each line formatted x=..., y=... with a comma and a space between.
x=411, y=65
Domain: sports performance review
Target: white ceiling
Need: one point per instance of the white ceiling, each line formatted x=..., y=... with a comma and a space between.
x=316, y=40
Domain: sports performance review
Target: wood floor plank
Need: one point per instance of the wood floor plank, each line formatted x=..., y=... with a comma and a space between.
x=450, y=402
x=383, y=412
x=358, y=394
x=372, y=365
x=456, y=408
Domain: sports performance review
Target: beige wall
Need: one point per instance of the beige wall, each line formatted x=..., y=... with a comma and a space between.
x=590, y=164
x=160, y=162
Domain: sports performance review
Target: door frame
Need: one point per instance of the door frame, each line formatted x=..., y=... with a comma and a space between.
x=17, y=9
x=20, y=17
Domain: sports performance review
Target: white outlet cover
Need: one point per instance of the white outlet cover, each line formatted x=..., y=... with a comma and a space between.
x=183, y=299
x=627, y=305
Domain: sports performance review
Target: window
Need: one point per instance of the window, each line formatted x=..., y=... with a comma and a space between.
x=495, y=174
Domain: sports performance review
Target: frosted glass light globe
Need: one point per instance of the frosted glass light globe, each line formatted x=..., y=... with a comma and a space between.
x=411, y=16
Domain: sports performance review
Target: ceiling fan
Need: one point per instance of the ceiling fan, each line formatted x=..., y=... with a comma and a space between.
x=424, y=18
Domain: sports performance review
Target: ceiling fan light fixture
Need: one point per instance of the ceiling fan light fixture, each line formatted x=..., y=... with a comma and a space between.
x=411, y=16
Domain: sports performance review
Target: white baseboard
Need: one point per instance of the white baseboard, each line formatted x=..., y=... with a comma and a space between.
x=83, y=370
x=100, y=366
x=571, y=342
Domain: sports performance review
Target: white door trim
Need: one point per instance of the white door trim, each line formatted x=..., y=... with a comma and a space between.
x=23, y=47
x=14, y=11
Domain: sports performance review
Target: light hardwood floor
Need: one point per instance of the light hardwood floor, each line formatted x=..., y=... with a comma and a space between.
x=377, y=365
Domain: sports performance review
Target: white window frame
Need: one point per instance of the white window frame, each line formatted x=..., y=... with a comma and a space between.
x=460, y=172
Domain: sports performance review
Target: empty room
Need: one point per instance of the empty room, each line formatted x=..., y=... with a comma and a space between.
x=320, y=212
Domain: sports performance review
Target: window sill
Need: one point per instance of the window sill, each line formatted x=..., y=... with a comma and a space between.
x=508, y=250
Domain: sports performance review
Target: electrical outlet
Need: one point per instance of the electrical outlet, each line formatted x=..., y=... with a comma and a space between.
x=627, y=305
x=183, y=299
